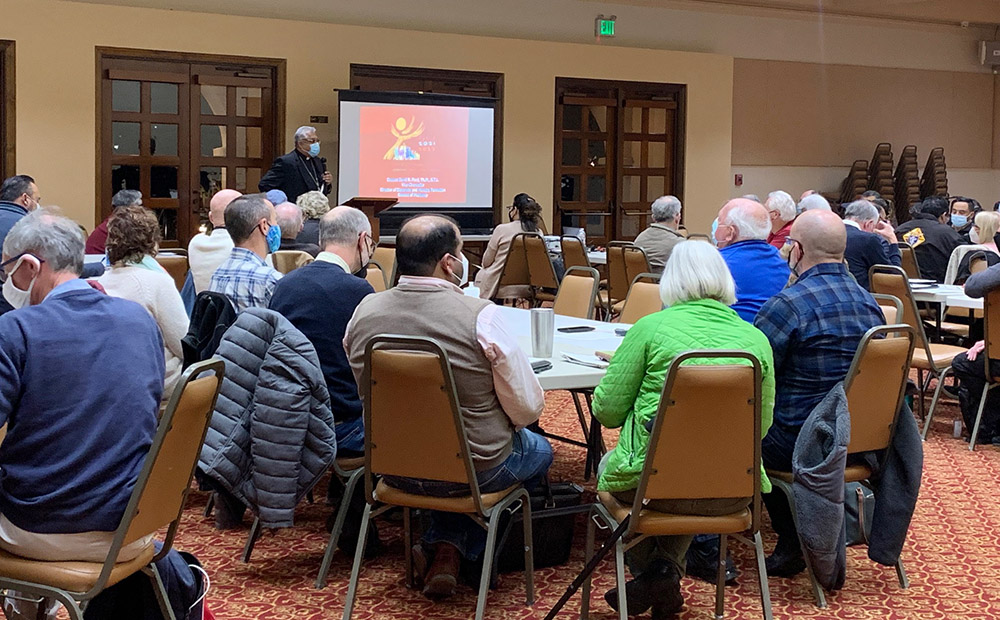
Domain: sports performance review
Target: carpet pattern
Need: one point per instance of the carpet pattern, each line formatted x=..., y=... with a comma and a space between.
x=951, y=556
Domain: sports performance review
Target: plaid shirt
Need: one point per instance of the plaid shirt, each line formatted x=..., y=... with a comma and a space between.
x=245, y=279
x=814, y=327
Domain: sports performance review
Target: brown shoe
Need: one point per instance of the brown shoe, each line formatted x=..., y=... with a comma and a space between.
x=442, y=577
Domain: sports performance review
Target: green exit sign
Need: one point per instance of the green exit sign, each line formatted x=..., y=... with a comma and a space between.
x=605, y=26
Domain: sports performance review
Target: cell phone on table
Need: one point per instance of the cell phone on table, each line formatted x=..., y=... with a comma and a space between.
x=541, y=366
x=576, y=329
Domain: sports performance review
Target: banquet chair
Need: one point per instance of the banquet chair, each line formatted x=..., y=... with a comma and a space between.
x=574, y=253
x=376, y=276
x=386, y=258
x=514, y=278
x=695, y=453
x=157, y=502
x=287, y=261
x=541, y=273
x=577, y=293
x=875, y=386
x=176, y=267
x=414, y=429
x=643, y=298
x=892, y=308
x=991, y=342
x=909, y=261
x=349, y=470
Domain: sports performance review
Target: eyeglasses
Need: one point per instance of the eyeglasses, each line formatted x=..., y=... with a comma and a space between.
x=3, y=272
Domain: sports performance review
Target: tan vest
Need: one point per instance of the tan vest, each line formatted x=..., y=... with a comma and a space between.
x=450, y=319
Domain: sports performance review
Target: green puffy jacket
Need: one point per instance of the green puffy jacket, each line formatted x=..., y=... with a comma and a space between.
x=629, y=394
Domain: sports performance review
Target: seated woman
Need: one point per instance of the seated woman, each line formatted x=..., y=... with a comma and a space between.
x=983, y=235
x=314, y=205
x=525, y=216
x=133, y=236
x=697, y=290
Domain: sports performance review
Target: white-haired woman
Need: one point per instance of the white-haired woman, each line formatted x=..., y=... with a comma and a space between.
x=697, y=290
x=314, y=205
x=983, y=233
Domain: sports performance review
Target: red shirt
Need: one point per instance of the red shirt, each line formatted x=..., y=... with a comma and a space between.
x=98, y=240
x=777, y=239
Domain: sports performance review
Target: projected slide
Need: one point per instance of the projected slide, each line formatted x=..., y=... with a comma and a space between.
x=423, y=151
x=414, y=153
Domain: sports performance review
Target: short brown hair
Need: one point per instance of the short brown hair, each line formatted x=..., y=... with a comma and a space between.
x=133, y=232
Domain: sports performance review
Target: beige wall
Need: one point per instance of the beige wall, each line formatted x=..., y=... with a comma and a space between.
x=56, y=81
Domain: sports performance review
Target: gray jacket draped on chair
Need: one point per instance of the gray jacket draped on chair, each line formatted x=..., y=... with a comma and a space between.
x=272, y=431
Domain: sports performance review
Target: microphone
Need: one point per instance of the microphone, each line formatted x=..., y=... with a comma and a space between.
x=322, y=162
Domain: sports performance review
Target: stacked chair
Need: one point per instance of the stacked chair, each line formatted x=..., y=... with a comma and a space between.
x=935, y=179
x=856, y=182
x=880, y=172
x=907, y=183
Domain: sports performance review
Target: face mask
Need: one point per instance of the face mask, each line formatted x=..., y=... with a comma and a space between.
x=974, y=236
x=715, y=227
x=363, y=270
x=15, y=296
x=959, y=221
x=463, y=278
x=792, y=263
x=314, y=149
x=273, y=236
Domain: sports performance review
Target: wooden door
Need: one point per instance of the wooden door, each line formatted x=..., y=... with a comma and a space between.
x=647, y=153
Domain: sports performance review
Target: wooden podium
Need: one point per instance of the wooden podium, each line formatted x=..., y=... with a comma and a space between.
x=372, y=207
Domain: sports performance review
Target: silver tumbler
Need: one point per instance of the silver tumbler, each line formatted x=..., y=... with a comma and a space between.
x=543, y=327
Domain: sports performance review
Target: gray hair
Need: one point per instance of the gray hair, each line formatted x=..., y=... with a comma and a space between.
x=814, y=201
x=126, y=198
x=244, y=213
x=342, y=226
x=783, y=203
x=289, y=217
x=696, y=271
x=314, y=204
x=861, y=211
x=55, y=239
x=300, y=133
x=749, y=220
x=665, y=208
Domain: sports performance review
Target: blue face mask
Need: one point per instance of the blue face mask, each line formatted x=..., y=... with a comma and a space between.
x=314, y=149
x=273, y=238
x=959, y=221
x=715, y=227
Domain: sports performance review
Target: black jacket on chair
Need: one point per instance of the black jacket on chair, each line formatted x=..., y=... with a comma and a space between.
x=295, y=175
x=932, y=243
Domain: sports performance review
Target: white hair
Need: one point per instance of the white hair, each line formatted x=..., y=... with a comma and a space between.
x=861, y=211
x=665, y=208
x=814, y=201
x=342, y=227
x=783, y=203
x=750, y=222
x=301, y=132
x=696, y=271
x=52, y=238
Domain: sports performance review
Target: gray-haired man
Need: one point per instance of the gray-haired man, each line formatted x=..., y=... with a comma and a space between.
x=660, y=238
x=300, y=171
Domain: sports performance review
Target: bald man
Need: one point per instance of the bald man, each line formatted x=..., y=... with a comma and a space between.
x=208, y=250
x=291, y=222
x=497, y=390
x=814, y=327
x=757, y=267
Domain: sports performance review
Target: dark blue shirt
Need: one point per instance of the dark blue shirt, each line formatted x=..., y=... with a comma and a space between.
x=814, y=327
x=319, y=300
x=759, y=273
x=81, y=376
x=865, y=249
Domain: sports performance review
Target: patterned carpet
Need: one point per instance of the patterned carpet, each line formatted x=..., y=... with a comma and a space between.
x=952, y=557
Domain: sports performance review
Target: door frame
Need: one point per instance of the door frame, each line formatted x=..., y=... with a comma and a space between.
x=8, y=122
x=102, y=53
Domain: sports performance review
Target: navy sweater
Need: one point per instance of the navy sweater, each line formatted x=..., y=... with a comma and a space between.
x=81, y=376
x=865, y=249
x=759, y=272
x=319, y=300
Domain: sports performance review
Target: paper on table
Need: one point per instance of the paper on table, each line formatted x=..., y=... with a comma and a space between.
x=591, y=361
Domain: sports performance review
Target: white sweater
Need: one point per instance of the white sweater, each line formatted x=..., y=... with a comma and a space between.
x=157, y=293
x=205, y=254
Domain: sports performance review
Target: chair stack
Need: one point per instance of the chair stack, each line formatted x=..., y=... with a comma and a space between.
x=935, y=179
x=855, y=183
x=880, y=171
x=907, y=183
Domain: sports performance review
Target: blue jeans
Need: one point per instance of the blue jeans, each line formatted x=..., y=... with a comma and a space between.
x=351, y=435
x=528, y=462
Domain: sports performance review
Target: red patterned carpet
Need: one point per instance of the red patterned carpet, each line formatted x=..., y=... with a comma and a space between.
x=952, y=557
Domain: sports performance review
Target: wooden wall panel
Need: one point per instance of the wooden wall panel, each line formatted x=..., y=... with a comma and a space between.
x=806, y=114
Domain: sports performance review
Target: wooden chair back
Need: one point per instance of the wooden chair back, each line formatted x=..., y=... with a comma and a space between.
x=909, y=261
x=618, y=280
x=573, y=252
x=376, y=276
x=636, y=262
x=875, y=385
x=386, y=258
x=515, y=266
x=541, y=273
x=643, y=298
x=892, y=280
x=176, y=267
x=287, y=261
x=577, y=293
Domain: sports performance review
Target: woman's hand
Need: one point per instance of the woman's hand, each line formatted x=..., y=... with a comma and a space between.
x=976, y=349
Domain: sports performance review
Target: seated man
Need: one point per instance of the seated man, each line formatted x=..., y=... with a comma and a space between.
x=963, y=212
x=781, y=209
x=931, y=237
x=98, y=239
x=497, y=390
x=870, y=241
x=660, y=238
x=757, y=268
x=71, y=455
x=814, y=327
x=291, y=223
x=208, y=250
x=320, y=298
x=245, y=278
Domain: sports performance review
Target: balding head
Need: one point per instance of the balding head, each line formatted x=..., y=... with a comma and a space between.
x=822, y=238
x=217, y=207
x=289, y=219
x=423, y=242
x=742, y=219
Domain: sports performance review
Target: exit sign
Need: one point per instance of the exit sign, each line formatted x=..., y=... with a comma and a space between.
x=605, y=26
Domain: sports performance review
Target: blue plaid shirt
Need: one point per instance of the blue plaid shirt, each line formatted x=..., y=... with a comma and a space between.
x=245, y=279
x=814, y=327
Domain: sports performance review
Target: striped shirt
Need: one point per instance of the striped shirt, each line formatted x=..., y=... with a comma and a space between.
x=245, y=279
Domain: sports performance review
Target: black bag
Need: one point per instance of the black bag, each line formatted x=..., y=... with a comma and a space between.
x=553, y=514
x=859, y=507
x=211, y=316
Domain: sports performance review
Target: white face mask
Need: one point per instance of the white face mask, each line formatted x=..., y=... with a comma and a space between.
x=463, y=279
x=15, y=296
x=974, y=235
